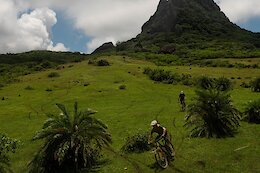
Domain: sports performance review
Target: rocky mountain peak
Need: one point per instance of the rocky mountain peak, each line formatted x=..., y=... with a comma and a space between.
x=175, y=15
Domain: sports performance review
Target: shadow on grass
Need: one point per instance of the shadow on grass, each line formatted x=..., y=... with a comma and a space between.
x=156, y=167
x=96, y=168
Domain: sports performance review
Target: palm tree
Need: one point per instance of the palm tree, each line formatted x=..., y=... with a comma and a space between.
x=212, y=115
x=71, y=143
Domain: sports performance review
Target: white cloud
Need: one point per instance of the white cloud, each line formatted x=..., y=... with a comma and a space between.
x=103, y=20
x=59, y=47
x=30, y=31
x=240, y=11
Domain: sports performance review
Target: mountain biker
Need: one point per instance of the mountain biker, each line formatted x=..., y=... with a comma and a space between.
x=162, y=134
x=182, y=100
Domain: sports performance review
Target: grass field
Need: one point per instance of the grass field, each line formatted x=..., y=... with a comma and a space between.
x=128, y=111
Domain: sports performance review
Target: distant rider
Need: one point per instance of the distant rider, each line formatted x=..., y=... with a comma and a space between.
x=182, y=100
x=162, y=134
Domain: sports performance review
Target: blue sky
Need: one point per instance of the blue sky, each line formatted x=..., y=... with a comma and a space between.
x=64, y=32
x=251, y=25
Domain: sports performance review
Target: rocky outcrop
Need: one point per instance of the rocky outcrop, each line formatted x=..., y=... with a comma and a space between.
x=187, y=15
x=106, y=47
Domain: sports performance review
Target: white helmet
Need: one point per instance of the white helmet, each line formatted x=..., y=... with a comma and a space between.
x=154, y=122
x=182, y=92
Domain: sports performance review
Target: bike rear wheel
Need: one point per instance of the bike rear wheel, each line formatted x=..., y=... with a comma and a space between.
x=161, y=159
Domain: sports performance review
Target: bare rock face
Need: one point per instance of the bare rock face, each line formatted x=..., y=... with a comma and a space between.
x=186, y=15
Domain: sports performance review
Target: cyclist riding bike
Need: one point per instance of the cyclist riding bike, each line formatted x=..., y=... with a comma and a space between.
x=162, y=135
x=182, y=100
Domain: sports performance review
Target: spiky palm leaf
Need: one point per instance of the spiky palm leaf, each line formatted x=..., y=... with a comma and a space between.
x=71, y=142
x=212, y=115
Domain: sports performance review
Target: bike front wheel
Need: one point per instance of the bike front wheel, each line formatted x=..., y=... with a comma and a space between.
x=161, y=159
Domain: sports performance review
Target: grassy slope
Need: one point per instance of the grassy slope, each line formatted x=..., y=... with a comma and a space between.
x=128, y=111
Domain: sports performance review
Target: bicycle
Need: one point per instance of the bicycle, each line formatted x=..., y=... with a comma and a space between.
x=183, y=106
x=162, y=154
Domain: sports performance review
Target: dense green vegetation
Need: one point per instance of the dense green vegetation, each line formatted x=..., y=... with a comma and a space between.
x=7, y=146
x=14, y=65
x=72, y=143
x=136, y=143
x=129, y=111
x=212, y=114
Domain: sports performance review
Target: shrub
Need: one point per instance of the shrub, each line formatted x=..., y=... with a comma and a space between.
x=205, y=82
x=212, y=115
x=122, y=87
x=7, y=145
x=187, y=79
x=86, y=84
x=136, y=143
x=147, y=70
x=103, y=62
x=245, y=85
x=29, y=88
x=72, y=142
x=53, y=74
x=48, y=90
x=47, y=64
x=255, y=85
x=252, y=112
x=160, y=75
x=223, y=84
x=91, y=61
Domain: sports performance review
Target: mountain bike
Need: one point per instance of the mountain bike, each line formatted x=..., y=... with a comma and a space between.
x=162, y=154
x=183, y=106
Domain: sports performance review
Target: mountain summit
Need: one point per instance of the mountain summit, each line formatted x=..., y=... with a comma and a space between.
x=203, y=16
x=195, y=29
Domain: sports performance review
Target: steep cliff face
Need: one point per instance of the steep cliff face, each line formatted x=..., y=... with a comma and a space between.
x=188, y=15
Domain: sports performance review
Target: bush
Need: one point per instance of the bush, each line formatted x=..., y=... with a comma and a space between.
x=252, y=112
x=91, y=61
x=29, y=88
x=72, y=142
x=48, y=90
x=103, y=62
x=205, y=82
x=7, y=145
x=212, y=115
x=187, y=79
x=136, y=143
x=147, y=70
x=53, y=74
x=86, y=84
x=122, y=87
x=255, y=85
x=160, y=75
x=245, y=85
x=223, y=84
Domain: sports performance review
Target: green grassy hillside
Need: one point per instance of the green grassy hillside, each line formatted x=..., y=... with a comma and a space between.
x=127, y=112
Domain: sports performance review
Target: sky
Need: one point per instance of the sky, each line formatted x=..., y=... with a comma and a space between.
x=84, y=25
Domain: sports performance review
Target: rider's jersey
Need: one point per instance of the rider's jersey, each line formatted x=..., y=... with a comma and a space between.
x=182, y=97
x=159, y=130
